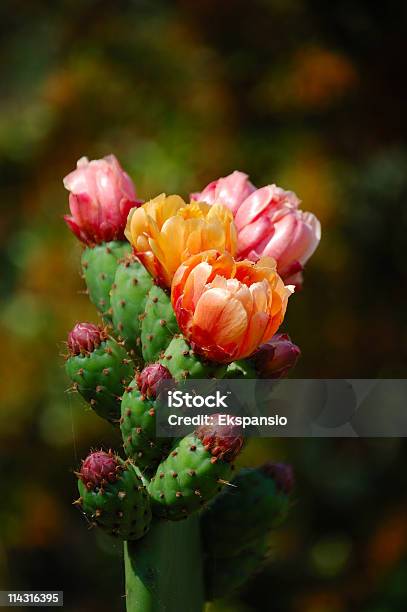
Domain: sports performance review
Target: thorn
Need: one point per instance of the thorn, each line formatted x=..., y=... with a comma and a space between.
x=77, y=502
x=226, y=482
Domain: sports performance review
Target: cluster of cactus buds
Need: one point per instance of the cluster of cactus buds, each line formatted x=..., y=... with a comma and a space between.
x=170, y=312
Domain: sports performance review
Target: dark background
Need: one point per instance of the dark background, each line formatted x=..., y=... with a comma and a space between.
x=305, y=93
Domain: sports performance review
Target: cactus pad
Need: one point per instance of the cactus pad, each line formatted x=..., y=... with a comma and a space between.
x=138, y=427
x=183, y=363
x=100, y=374
x=128, y=298
x=196, y=469
x=112, y=496
x=259, y=500
x=158, y=325
x=99, y=265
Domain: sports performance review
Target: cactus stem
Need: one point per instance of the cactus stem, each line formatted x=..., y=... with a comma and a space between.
x=163, y=569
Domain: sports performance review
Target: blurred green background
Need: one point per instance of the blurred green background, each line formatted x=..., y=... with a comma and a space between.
x=308, y=94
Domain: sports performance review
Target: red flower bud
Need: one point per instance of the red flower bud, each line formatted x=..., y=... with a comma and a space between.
x=222, y=441
x=282, y=474
x=98, y=469
x=275, y=358
x=150, y=379
x=84, y=338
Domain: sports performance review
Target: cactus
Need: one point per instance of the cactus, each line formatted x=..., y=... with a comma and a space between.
x=99, y=264
x=235, y=526
x=113, y=496
x=197, y=468
x=225, y=575
x=183, y=363
x=138, y=421
x=158, y=325
x=259, y=499
x=128, y=298
x=99, y=368
x=164, y=480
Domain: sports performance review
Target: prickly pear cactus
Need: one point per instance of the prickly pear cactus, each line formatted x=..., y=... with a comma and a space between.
x=225, y=575
x=99, y=264
x=138, y=419
x=183, y=363
x=113, y=496
x=99, y=368
x=128, y=299
x=158, y=325
x=259, y=500
x=196, y=469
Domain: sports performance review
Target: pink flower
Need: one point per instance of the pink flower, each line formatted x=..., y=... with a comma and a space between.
x=268, y=222
x=102, y=195
x=287, y=234
x=230, y=190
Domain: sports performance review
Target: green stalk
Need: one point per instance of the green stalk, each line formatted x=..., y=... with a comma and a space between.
x=164, y=569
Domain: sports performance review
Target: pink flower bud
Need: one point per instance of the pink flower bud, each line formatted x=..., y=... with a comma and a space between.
x=84, y=338
x=101, y=196
x=282, y=474
x=275, y=358
x=98, y=469
x=150, y=379
x=230, y=190
x=291, y=239
x=222, y=441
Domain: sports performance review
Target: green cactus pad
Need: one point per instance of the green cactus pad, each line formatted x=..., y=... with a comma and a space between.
x=158, y=325
x=138, y=428
x=187, y=479
x=128, y=298
x=254, y=501
x=120, y=508
x=101, y=377
x=99, y=266
x=225, y=575
x=183, y=363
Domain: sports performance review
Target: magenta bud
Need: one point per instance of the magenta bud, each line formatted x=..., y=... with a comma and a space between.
x=100, y=199
x=282, y=474
x=150, y=379
x=98, y=469
x=276, y=358
x=84, y=338
x=222, y=441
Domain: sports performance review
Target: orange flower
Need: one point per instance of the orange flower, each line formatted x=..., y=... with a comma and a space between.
x=226, y=309
x=166, y=231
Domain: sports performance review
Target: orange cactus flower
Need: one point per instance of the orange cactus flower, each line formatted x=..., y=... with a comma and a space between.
x=166, y=231
x=227, y=308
